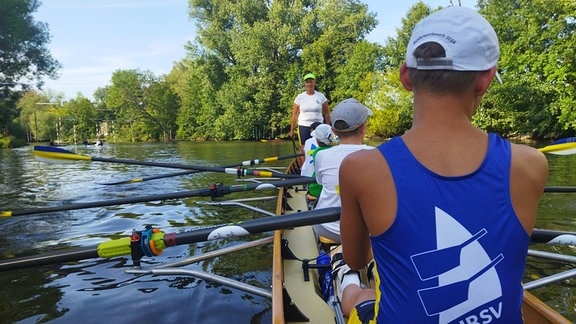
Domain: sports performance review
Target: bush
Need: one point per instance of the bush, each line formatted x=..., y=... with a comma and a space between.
x=10, y=142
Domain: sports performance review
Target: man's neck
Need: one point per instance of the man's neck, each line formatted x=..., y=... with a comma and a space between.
x=352, y=140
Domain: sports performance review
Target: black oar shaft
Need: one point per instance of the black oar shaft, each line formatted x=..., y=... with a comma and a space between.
x=112, y=202
x=176, y=174
x=161, y=176
x=57, y=153
x=55, y=257
x=213, y=191
x=221, y=231
x=240, y=172
x=158, y=164
x=199, y=235
x=259, y=225
x=560, y=189
x=182, y=166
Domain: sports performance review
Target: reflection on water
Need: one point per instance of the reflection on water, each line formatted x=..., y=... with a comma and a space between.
x=91, y=291
x=94, y=290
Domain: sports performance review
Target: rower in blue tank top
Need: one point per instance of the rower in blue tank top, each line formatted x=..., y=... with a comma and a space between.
x=447, y=210
x=464, y=261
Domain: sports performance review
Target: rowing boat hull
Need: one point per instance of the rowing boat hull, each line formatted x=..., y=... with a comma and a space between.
x=294, y=299
x=536, y=311
x=297, y=301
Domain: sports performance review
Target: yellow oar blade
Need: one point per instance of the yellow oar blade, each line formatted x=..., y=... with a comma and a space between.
x=560, y=149
x=53, y=153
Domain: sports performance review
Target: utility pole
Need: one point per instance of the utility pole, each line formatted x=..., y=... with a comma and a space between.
x=36, y=126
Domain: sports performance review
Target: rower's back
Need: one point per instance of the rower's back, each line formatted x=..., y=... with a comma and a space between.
x=449, y=207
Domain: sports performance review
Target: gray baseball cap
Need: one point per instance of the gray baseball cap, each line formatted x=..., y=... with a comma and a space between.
x=348, y=115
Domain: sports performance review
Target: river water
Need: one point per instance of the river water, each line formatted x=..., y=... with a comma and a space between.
x=96, y=290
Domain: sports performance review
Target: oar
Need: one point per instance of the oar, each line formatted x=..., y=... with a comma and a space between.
x=564, y=140
x=155, y=241
x=553, y=237
x=560, y=189
x=176, y=174
x=215, y=190
x=560, y=149
x=55, y=153
x=161, y=176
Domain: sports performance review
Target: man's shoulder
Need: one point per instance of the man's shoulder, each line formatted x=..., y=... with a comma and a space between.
x=366, y=153
x=322, y=154
x=525, y=155
x=322, y=150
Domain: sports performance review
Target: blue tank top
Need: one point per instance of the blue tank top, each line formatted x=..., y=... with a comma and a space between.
x=456, y=250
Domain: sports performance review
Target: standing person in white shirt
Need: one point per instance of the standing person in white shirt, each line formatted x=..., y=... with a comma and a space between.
x=349, y=124
x=309, y=106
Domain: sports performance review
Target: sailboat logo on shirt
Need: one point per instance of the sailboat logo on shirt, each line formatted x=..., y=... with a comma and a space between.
x=310, y=151
x=466, y=275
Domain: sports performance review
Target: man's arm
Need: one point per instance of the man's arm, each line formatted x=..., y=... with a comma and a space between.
x=528, y=176
x=353, y=230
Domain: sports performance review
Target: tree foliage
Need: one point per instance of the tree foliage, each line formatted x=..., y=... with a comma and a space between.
x=24, y=57
x=242, y=73
x=23, y=52
x=144, y=106
x=255, y=54
x=537, y=41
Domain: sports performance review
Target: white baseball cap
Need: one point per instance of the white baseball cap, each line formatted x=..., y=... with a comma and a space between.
x=468, y=38
x=323, y=134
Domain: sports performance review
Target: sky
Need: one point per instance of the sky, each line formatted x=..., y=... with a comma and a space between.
x=94, y=38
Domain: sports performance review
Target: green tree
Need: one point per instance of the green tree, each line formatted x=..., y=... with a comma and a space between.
x=262, y=50
x=81, y=121
x=162, y=106
x=395, y=48
x=24, y=57
x=41, y=116
x=144, y=105
x=354, y=78
x=391, y=105
x=340, y=26
x=537, y=64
